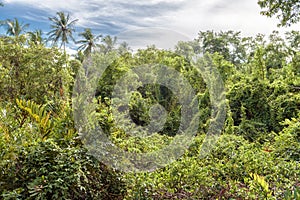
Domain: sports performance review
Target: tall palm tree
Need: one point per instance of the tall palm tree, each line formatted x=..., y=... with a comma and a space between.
x=62, y=29
x=109, y=44
x=89, y=41
x=14, y=27
x=36, y=37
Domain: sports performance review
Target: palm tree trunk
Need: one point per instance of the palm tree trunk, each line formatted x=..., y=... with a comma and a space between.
x=65, y=52
x=62, y=92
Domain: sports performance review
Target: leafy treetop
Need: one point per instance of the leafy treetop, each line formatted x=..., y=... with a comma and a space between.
x=288, y=12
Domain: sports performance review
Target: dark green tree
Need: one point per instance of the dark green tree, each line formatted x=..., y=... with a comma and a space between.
x=288, y=12
x=276, y=51
x=229, y=44
x=293, y=39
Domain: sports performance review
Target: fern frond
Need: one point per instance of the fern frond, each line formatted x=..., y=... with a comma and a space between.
x=38, y=113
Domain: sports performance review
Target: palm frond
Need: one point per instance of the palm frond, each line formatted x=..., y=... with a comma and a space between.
x=61, y=29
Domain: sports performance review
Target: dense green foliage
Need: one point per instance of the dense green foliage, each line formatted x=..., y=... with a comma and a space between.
x=42, y=66
x=257, y=156
x=41, y=154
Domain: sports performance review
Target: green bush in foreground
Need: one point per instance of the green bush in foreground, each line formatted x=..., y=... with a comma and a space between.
x=41, y=158
x=236, y=169
x=48, y=171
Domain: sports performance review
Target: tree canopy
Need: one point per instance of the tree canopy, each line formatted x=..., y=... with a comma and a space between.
x=287, y=11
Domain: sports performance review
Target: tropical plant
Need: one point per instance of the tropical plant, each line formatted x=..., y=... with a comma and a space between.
x=108, y=44
x=42, y=153
x=14, y=27
x=89, y=41
x=48, y=170
x=62, y=29
x=41, y=65
x=36, y=37
x=124, y=48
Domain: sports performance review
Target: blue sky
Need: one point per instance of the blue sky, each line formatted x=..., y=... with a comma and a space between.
x=133, y=19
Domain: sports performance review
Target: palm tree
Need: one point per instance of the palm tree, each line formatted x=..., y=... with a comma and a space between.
x=124, y=48
x=14, y=27
x=89, y=41
x=108, y=44
x=62, y=29
x=36, y=37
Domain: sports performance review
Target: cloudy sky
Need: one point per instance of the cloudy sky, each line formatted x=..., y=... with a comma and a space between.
x=133, y=20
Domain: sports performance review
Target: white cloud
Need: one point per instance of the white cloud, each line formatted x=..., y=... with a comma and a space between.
x=186, y=16
x=161, y=38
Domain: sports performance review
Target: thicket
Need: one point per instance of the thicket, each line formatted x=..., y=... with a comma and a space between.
x=257, y=156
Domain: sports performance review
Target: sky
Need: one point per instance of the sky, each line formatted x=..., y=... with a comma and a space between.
x=146, y=22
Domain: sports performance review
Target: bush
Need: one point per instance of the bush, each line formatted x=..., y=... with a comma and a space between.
x=228, y=172
x=248, y=101
x=42, y=159
x=48, y=171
